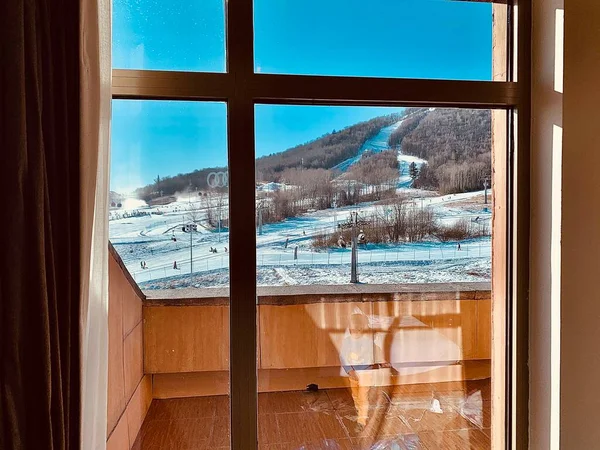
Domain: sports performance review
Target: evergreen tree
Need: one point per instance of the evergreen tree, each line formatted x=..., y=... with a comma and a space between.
x=413, y=171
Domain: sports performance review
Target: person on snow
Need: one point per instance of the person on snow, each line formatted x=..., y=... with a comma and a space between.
x=362, y=239
x=175, y=265
x=341, y=242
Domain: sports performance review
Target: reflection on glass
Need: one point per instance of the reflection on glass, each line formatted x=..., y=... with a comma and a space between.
x=185, y=35
x=378, y=224
x=437, y=39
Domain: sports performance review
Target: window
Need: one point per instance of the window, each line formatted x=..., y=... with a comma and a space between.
x=416, y=180
x=381, y=233
x=169, y=224
x=355, y=201
x=160, y=35
x=433, y=39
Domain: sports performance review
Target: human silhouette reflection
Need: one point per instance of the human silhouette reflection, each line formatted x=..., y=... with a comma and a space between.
x=358, y=355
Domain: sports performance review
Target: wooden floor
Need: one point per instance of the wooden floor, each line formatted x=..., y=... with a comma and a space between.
x=400, y=417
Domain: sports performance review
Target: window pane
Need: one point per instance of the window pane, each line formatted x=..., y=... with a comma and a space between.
x=436, y=39
x=377, y=222
x=169, y=172
x=169, y=224
x=186, y=35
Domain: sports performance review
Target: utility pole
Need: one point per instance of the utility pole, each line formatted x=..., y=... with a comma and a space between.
x=190, y=228
x=220, y=206
x=354, y=262
x=260, y=219
x=485, y=187
x=334, y=216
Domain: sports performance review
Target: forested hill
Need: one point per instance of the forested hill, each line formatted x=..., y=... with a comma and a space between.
x=324, y=152
x=455, y=142
x=321, y=153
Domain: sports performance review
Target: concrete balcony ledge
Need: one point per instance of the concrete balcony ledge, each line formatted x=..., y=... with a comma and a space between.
x=309, y=294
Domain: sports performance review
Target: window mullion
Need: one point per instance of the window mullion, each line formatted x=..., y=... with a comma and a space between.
x=242, y=235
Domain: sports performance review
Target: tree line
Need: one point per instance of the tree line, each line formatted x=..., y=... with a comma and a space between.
x=372, y=178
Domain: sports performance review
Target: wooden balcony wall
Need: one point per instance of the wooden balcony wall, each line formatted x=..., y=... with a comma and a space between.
x=129, y=389
x=186, y=340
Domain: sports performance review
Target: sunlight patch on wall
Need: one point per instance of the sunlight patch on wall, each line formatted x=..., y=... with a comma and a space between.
x=559, y=49
x=555, y=295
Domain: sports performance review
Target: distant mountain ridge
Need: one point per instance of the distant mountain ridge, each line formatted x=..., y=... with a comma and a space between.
x=324, y=152
x=456, y=143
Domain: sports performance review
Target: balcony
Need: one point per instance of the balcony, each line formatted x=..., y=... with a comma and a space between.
x=427, y=384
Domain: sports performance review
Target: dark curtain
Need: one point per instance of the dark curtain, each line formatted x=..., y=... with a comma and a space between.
x=39, y=202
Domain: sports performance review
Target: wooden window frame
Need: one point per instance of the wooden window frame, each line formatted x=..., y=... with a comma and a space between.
x=241, y=88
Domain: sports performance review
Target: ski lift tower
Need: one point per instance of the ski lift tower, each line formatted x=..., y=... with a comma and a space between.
x=486, y=185
x=354, y=261
x=353, y=223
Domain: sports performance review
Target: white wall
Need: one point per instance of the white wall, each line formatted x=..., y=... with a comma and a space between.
x=580, y=296
x=547, y=104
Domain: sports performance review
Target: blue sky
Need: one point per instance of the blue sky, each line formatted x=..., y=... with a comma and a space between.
x=395, y=38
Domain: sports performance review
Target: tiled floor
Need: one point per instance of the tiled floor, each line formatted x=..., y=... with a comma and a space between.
x=401, y=417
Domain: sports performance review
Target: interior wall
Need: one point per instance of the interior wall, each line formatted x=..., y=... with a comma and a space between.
x=547, y=104
x=580, y=332
x=129, y=390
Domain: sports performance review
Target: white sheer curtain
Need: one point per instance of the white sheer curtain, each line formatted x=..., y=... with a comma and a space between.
x=95, y=65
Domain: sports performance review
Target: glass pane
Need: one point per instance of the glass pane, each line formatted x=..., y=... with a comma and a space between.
x=186, y=35
x=168, y=222
x=377, y=225
x=435, y=39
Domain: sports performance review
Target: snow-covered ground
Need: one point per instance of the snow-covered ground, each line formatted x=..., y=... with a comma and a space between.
x=154, y=236
x=396, y=272
x=159, y=254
